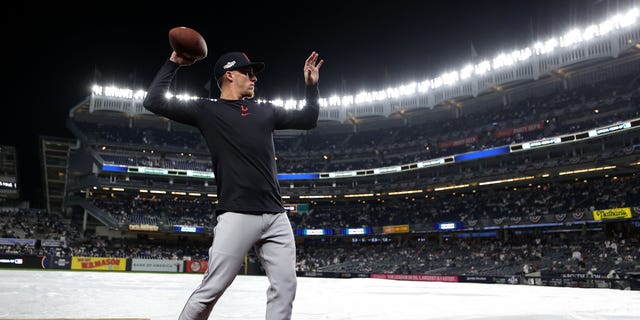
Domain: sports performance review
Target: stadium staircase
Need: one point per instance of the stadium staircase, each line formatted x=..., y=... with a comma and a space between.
x=102, y=216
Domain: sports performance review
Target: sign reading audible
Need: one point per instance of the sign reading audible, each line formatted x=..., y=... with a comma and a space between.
x=98, y=263
x=610, y=214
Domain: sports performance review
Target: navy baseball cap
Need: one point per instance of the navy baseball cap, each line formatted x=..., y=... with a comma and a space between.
x=233, y=61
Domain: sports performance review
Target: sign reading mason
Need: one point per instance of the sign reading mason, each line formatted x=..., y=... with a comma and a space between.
x=98, y=263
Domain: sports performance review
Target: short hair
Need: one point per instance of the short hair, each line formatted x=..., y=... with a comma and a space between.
x=219, y=81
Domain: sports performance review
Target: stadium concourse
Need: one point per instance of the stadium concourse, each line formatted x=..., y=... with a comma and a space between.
x=91, y=295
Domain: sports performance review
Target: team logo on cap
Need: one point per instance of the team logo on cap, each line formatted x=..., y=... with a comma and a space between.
x=229, y=64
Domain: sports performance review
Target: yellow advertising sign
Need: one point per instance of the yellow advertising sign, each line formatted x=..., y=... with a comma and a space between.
x=610, y=214
x=402, y=228
x=143, y=227
x=98, y=263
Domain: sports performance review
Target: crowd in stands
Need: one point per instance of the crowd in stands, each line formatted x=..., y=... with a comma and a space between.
x=531, y=119
x=595, y=249
x=524, y=203
x=157, y=210
x=534, y=118
x=560, y=252
x=36, y=224
x=582, y=250
x=489, y=204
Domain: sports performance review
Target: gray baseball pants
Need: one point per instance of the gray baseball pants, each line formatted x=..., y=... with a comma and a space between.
x=272, y=237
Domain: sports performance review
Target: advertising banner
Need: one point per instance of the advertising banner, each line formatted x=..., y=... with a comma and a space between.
x=17, y=241
x=52, y=243
x=53, y=262
x=477, y=279
x=612, y=214
x=196, y=266
x=98, y=263
x=157, y=265
x=415, y=277
x=458, y=142
x=523, y=129
x=402, y=228
x=22, y=261
x=143, y=227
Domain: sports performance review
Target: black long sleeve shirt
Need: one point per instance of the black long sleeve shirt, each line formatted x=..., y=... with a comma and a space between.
x=239, y=135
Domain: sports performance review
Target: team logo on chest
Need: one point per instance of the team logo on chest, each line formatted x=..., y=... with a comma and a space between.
x=244, y=110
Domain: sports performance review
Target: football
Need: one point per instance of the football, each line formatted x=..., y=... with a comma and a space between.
x=188, y=43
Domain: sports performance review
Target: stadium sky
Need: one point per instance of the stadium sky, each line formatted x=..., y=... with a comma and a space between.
x=57, y=51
